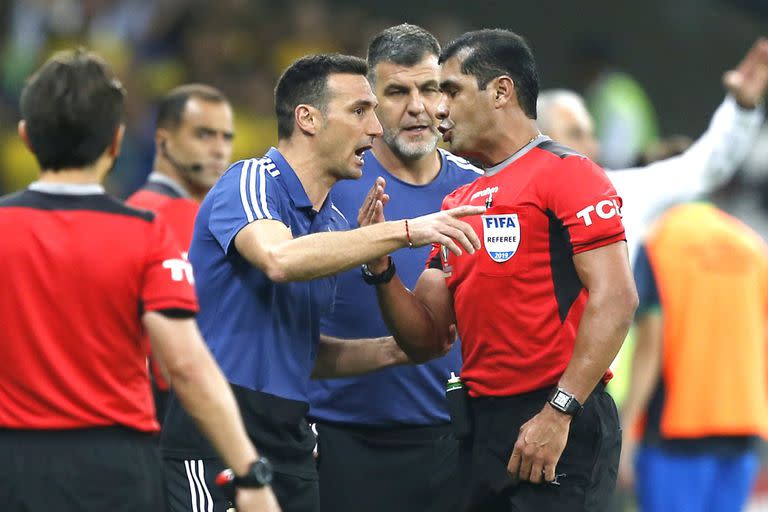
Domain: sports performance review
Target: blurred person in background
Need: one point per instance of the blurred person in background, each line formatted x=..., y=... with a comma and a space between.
x=698, y=370
x=267, y=243
x=78, y=426
x=193, y=147
x=625, y=119
x=381, y=435
x=709, y=162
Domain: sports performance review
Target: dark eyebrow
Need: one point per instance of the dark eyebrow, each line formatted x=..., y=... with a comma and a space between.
x=205, y=130
x=429, y=83
x=448, y=84
x=395, y=88
x=364, y=103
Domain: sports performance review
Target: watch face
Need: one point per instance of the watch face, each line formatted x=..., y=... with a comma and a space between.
x=561, y=400
x=262, y=471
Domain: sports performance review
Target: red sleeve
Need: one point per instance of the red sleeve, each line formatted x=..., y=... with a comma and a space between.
x=168, y=279
x=582, y=197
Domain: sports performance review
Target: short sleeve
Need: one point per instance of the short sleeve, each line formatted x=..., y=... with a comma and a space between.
x=246, y=193
x=582, y=198
x=168, y=282
x=645, y=280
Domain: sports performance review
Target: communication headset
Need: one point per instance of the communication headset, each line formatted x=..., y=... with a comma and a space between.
x=194, y=167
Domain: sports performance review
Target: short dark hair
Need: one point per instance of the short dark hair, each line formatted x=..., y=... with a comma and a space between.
x=404, y=44
x=495, y=52
x=72, y=107
x=305, y=82
x=171, y=107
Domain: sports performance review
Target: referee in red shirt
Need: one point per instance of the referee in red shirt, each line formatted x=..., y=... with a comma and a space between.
x=541, y=309
x=193, y=147
x=84, y=276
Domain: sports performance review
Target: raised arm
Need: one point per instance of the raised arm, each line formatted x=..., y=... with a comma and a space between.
x=269, y=245
x=714, y=157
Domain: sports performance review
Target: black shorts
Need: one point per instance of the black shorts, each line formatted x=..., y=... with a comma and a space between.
x=97, y=469
x=277, y=428
x=191, y=487
x=384, y=469
x=586, y=471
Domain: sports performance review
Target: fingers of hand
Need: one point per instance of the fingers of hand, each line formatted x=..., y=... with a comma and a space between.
x=470, y=234
x=757, y=55
x=378, y=213
x=537, y=472
x=549, y=472
x=463, y=232
x=450, y=245
x=466, y=210
x=733, y=80
x=513, y=466
x=755, y=60
x=459, y=235
x=525, y=466
x=364, y=213
x=374, y=206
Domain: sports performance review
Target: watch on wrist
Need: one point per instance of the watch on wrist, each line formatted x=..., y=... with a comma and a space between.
x=259, y=475
x=383, y=278
x=564, y=402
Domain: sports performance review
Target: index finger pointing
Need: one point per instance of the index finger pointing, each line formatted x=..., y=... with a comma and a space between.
x=466, y=210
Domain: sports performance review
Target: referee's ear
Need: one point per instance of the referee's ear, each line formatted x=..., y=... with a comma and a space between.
x=117, y=141
x=22, y=128
x=503, y=88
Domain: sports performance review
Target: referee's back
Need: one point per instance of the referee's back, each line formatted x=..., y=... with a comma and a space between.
x=76, y=263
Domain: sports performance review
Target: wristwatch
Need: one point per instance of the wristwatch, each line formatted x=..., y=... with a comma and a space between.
x=259, y=475
x=383, y=278
x=564, y=402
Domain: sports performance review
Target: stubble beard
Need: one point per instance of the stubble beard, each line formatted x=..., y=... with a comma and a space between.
x=410, y=150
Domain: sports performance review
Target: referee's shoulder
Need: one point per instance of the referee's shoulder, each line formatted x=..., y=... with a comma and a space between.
x=114, y=205
x=565, y=159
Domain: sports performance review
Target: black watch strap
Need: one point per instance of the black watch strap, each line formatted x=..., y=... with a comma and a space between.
x=383, y=278
x=564, y=402
x=259, y=475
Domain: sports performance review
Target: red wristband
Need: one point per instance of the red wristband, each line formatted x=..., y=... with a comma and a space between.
x=408, y=235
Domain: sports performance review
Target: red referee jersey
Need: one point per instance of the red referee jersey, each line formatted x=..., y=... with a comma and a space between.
x=80, y=268
x=518, y=300
x=169, y=201
x=166, y=198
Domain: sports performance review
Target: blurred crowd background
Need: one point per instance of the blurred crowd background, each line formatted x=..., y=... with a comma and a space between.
x=669, y=56
x=662, y=60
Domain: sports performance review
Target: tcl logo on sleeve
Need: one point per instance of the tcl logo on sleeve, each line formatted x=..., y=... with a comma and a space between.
x=180, y=268
x=605, y=209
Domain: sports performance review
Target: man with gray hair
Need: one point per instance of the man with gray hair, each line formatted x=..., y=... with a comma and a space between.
x=708, y=163
x=384, y=439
